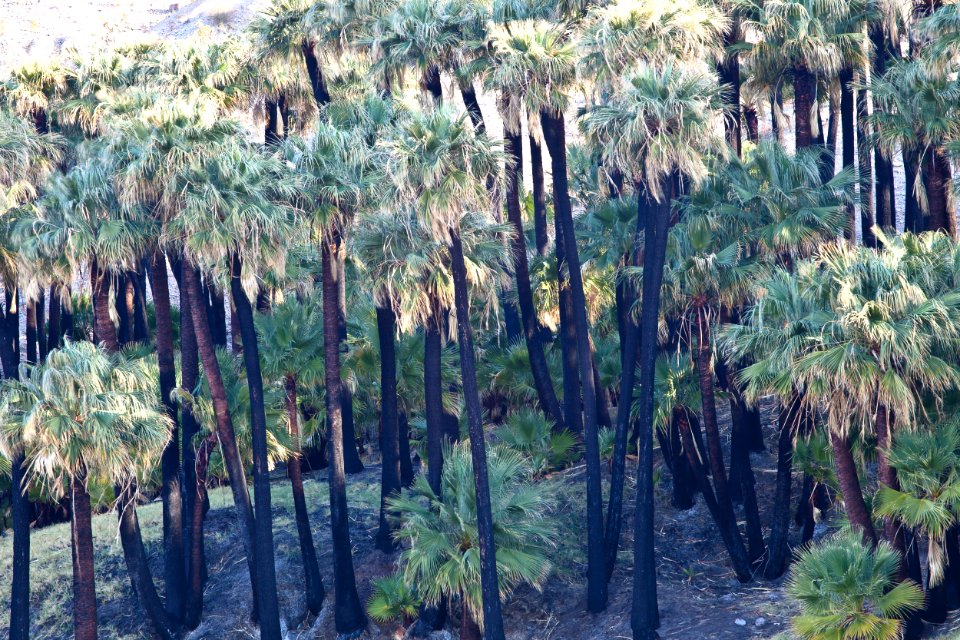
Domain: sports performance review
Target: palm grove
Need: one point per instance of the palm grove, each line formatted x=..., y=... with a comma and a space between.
x=721, y=226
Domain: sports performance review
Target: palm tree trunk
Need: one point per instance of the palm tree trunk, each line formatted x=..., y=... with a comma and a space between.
x=573, y=417
x=433, y=398
x=489, y=583
x=778, y=545
x=939, y=185
x=729, y=71
x=546, y=394
x=430, y=84
x=141, y=329
x=103, y=324
x=469, y=629
x=473, y=105
x=389, y=425
x=194, y=599
x=856, y=507
x=803, y=106
x=539, y=195
x=887, y=475
x=752, y=120
x=225, y=432
x=674, y=456
x=218, y=316
x=630, y=339
x=913, y=218
x=54, y=335
x=31, y=332
x=406, y=463
x=318, y=85
x=66, y=314
x=173, y=551
x=348, y=612
x=704, y=354
x=124, y=305
x=43, y=347
x=84, y=585
x=848, y=129
x=885, y=198
x=351, y=455
x=865, y=169
x=271, y=126
x=555, y=136
x=645, y=617
x=313, y=581
x=751, y=511
x=135, y=557
x=263, y=531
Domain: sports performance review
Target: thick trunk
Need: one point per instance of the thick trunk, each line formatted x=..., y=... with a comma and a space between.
x=263, y=531
x=671, y=446
x=472, y=104
x=271, y=124
x=225, y=432
x=848, y=128
x=913, y=218
x=555, y=136
x=778, y=545
x=195, y=582
x=865, y=171
x=849, y=482
x=546, y=394
x=887, y=475
x=105, y=331
x=317, y=84
x=803, y=106
x=629, y=335
x=173, y=551
x=752, y=121
x=141, y=328
x=84, y=586
x=389, y=426
x=939, y=183
x=135, y=557
x=348, y=612
x=218, y=317
x=313, y=581
x=20, y=587
x=469, y=629
x=489, y=583
x=645, y=617
x=539, y=195
x=430, y=84
x=572, y=405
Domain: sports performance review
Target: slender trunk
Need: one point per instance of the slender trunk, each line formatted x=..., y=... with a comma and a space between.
x=730, y=76
x=141, y=329
x=913, y=218
x=124, y=305
x=887, y=475
x=263, y=522
x=271, y=125
x=313, y=581
x=42, y=346
x=728, y=519
x=849, y=482
x=317, y=84
x=406, y=462
x=751, y=511
x=389, y=426
x=865, y=168
x=194, y=599
x=572, y=405
x=489, y=583
x=546, y=394
x=778, y=545
x=885, y=198
x=20, y=587
x=803, y=106
x=218, y=317
x=472, y=104
x=645, y=617
x=54, y=336
x=348, y=612
x=830, y=149
x=555, y=136
x=351, y=454
x=66, y=312
x=539, y=195
x=31, y=332
x=630, y=339
x=173, y=551
x=433, y=398
x=469, y=629
x=135, y=557
x=84, y=586
x=225, y=432
x=752, y=121
x=848, y=130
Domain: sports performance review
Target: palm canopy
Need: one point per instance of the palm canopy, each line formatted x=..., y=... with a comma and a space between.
x=443, y=556
x=291, y=341
x=85, y=414
x=437, y=165
x=30, y=89
x=661, y=120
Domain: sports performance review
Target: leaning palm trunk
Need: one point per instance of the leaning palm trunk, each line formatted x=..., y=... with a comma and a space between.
x=531, y=329
x=555, y=136
x=174, y=576
x=263, y=523
x=389, y=425
x=313, y=582
x=221, y=409
x=489, y=582
x=348, y=612
x=856, y=506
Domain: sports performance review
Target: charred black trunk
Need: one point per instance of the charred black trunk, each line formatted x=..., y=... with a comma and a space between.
x=390, y=481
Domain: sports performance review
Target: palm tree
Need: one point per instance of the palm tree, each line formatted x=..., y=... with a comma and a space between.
x=806, y=39
x=85, y=418
x=847, y=590
x=658, y=125
x=293, y=353
x=438, y=166
x=441, y=560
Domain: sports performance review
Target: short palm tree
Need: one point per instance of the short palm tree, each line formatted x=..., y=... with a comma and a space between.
x=438, y=166
x=292, y=351
x=848, y=591
x=85, y=418
x=442, y=558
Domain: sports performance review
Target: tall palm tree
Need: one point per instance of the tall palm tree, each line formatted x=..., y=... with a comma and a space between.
x=85, y=418
x=293, y=353
x=439, y=166
x=656, y=127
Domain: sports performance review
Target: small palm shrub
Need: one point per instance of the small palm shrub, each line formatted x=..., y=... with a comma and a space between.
x=393, y=599
x=441, y=555
x=530, y=433
x=848, y=591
